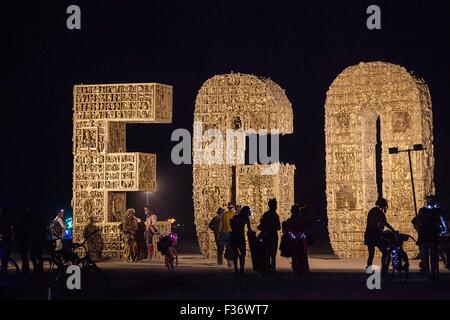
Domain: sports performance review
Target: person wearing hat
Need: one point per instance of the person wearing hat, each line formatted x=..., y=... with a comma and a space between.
x=376, y=222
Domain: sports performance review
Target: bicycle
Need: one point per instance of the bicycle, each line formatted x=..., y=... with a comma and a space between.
x=93, y=278
x=396, y=255
x=166, y=245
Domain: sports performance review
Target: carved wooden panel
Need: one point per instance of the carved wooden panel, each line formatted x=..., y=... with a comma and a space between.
x=239, y=101
x=103, y=171
x=356, y=98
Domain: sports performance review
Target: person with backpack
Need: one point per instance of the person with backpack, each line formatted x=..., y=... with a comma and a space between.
x=57, y=229
x=215, y=225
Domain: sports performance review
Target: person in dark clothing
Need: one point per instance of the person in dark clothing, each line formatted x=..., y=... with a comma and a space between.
x=215, y=225
x=5, y=240
x=428, y=224
x=376, y=222
x=297, y=228
x=237, y=238
x=269, y=227
x=29, y=235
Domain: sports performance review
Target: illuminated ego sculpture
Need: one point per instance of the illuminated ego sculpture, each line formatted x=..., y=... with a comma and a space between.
x=239, y=102
x=102, y=171
x=356, y=99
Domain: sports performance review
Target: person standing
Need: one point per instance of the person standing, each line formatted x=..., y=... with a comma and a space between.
x=215, y=225
x=58, y=228
x=5, y=240
x=36, y=243
x=376, y=222
x=237, y=238
x=129, y=228
x=151, y=231
x=29, y=240
x=295, y=229
x=428, y=227
x=225, y=233
x=269, y=227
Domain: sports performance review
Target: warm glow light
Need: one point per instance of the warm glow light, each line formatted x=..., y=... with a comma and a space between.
x=171, y=220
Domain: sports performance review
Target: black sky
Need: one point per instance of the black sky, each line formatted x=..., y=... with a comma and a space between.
x=301, y=45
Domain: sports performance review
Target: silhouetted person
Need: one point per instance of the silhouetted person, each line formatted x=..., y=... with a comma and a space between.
x=22, y=235
x=428, y=227
x=297, y=227
x=376, y=222
x=5, y=240
x=37, y=243
x=269, y=226
x=237, y=239
x=215, y=225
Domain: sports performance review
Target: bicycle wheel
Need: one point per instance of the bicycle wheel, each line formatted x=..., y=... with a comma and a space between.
x=175, y=258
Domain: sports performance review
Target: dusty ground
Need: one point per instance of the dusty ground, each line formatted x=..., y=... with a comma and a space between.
x=199, y=278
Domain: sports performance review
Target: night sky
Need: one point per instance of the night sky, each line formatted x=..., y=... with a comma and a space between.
x=301, y=45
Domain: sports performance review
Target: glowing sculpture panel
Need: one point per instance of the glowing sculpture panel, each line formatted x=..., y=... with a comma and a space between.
x=356, y=98
x=102, y=171
x=240, y=102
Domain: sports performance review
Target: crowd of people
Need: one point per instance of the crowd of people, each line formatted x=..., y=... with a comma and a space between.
x=229, y=228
